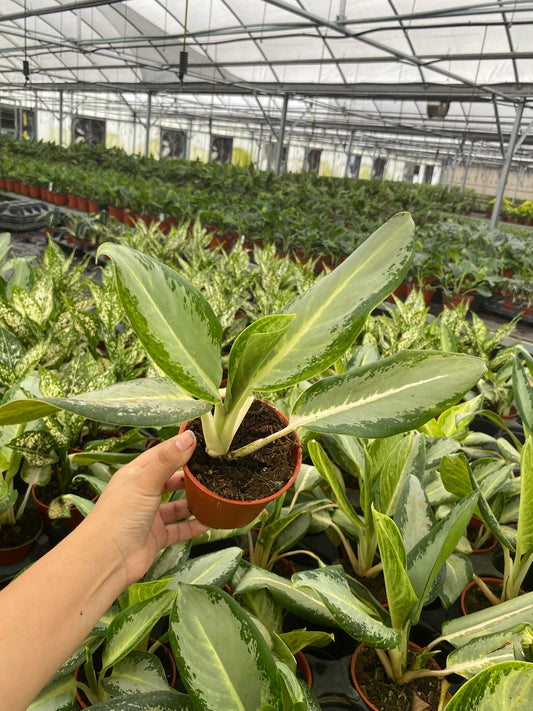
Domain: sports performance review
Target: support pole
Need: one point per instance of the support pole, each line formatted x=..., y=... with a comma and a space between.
x=148, y=122
x=281, y=138
x=506, y=165
x=61, y=117
x=348, y=154
x=467, y=167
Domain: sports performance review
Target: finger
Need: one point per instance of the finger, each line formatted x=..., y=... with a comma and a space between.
x=174, y=511
x=163, y=460
x=175, y=482
x=177, y=532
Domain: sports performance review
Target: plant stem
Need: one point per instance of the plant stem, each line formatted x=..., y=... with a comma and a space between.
x=486, y=590
x=259, y=443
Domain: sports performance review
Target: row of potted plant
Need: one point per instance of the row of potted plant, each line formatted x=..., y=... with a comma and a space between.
x=365, y=410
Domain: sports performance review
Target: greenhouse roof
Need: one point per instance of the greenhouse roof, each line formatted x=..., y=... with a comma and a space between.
x=442, y=71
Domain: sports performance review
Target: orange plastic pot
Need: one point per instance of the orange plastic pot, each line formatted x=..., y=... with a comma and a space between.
x=75, y=516
x=216, y=511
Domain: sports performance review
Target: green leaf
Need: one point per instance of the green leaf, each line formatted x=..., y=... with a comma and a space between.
x=428, y=556
x=524, y=536
x=508, y=686
x=57, y=695
x=303, y=602
x=133, y=624
x=207, y=625
x=169, y=561
x=140, y=592
x=394, y=395
x=400, y=594
x=458, y=571
x=414, y=515
x=145, y=402
x=154, y=701
x=523, y=393
x=325, y=468
x=139, y=672
x=406, y=457
x=331, y=313
x=296, y=640
x=211, y=569
x=248, y=354
x=172, y=319
x=482, y=652
x=497, y=618
x=352, y=614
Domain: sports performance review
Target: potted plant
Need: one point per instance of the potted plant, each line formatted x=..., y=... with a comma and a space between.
x=181, y=334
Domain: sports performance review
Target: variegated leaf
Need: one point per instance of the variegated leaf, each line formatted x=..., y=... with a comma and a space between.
x=154, y=700
x=414, y=515
x=524, y=537
x=57, y=695
x=497, y=618
x=458, y=571
x=172, y=319
x=146, y=402
x=331, y=313
x=483, y=652
x=138, y=673
x=351, y=613
x=207, y=624
x=508, y=686
x=130, y=625
x=210, y=569
x=400, y=594
x=394, y=395
x=303, y=602
x=169, y=561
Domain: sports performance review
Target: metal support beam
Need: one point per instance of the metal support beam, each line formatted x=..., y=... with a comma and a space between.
x=148, y=122
x=498, y=125
x=281, y=137
x=61, y=117
x=506, y=165
x=348, y=153
x=467, y=166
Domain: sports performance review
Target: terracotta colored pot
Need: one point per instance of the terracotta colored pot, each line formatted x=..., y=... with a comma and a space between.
x=72, y=201
x=217, y=512
x=82, y=699
x=35, y=192
x=92, y=205
x=117, y=213
x=3, y=183
x=10, y=185
x=25, y=190
x=82, y=204
x=304, y=668
x=495, y=581
x=12, y=556
x=353, y=674
x=457, y=299
x=59, y=198
x=75, y=516
x=489, y=545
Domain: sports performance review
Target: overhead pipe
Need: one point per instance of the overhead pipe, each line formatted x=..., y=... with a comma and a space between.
x=148, y=122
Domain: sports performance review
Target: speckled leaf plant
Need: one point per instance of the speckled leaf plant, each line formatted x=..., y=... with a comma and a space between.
x=181, y=334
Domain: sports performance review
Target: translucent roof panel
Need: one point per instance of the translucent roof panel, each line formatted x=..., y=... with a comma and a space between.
x=350, y=64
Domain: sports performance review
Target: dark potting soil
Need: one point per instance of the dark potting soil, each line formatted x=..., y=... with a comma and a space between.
x=26, y=528
x=256, y=476
x=388, y=696
x=47, y=493
x=475, y=599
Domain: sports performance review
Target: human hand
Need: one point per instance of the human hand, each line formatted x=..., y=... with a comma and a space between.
x=130, y=510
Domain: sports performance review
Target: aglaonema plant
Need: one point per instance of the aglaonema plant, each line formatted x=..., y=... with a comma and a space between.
x=181, y=334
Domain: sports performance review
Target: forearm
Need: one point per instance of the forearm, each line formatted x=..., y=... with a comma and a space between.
x=49, y=610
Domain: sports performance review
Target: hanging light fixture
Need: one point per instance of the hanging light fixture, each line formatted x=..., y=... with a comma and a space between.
x=184, y=56
x=25, y=62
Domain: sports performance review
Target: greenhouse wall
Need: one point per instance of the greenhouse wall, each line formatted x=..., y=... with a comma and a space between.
x=484, y=180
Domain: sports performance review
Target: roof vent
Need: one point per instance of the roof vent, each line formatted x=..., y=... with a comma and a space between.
x=438, y=109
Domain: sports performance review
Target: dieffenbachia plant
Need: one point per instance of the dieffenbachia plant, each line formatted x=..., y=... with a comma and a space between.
x=181, y=334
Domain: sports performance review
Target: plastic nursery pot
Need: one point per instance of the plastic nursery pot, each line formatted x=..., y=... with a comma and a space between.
x=488, y=546
x=75, y=516
x=472, y=584
x=216, y=511
x=304, y=668
x=12, y=556
x=353, y=672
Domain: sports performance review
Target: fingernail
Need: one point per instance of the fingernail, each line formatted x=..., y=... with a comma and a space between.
x=185, y=440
